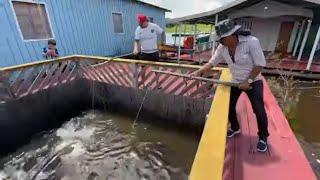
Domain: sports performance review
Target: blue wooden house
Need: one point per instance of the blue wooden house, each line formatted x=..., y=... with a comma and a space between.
x=91, y=27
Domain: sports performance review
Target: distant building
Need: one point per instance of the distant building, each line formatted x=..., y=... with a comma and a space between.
x=284, y=26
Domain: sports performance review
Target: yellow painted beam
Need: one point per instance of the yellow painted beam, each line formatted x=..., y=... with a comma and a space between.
x=23, y=66
x=209, y=160
x=143, y=62
x=99, y=58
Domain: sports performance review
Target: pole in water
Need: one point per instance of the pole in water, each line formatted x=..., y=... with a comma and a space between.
x=144, y=98
x=92, y=100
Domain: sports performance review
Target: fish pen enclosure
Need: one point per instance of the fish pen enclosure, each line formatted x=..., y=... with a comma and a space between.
x=118, y=85
x=44, y=93
x=135, y=87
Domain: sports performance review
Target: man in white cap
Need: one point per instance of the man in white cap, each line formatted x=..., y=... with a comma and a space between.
x=245, y=58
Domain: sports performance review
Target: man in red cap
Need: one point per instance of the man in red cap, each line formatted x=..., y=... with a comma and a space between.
x=146, y=39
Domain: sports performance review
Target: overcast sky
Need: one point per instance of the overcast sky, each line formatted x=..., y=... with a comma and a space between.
x=186, y=7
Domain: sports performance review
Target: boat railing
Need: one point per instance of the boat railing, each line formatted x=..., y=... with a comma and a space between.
x=21, y=80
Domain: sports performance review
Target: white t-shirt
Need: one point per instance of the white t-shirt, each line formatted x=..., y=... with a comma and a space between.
x=148, y=37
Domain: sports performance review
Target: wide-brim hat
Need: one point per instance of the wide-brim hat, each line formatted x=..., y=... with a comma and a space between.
x=226, y=28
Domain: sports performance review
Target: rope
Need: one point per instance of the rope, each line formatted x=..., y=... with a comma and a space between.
x=137, y=116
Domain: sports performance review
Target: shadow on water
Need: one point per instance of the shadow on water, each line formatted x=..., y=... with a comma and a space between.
x=104, y=145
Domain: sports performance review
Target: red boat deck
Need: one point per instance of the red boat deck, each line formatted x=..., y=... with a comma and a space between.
x=285, y=63
x=285, y=158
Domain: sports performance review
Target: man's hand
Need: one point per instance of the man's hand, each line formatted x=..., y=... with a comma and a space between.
x=245, y=86
x=136, y=47
x=135, y=52
x=194, y=74
x=52, y=53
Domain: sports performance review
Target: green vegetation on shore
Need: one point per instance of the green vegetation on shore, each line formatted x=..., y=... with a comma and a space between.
x=189, y=28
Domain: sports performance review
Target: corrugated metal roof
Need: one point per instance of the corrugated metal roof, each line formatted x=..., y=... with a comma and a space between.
x=197, y=17
x=153, y=5
x=208, y=17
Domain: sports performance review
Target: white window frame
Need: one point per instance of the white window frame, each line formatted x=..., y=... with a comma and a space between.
x=121, y=24
x=17, y=23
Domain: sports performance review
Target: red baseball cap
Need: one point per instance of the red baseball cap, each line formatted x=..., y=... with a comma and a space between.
x=142, y=18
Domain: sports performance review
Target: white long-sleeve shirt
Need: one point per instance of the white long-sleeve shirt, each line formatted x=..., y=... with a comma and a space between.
x=248, y=55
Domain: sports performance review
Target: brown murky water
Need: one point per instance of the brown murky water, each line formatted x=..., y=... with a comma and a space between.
x=301, y=103
x=103, y=146
x=308, y=123
x=308, y=114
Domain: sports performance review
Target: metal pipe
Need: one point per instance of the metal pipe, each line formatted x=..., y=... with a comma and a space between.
x=179, y=48
x=316, y=41
x=226, y=83
x=216, y=19
x=293, y=37
x=194, y=41
x=175, y=37
x=306, y=34
x=299, y=37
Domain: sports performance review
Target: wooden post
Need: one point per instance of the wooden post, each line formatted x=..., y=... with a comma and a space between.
x=316, y=41
x=5, y=89
x=78, y=68
x=134, y=69
x=299, y=37
x=306, y=34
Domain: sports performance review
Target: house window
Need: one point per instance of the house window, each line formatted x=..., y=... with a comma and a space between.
x=151, y=19
x=32, y=20
x=117, y=22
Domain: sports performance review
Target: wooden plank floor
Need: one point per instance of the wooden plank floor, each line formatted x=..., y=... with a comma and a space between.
x=285, y=158
x=286, y=63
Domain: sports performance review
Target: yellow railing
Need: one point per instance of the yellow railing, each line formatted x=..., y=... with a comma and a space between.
x=209, y=160
x=97, y=59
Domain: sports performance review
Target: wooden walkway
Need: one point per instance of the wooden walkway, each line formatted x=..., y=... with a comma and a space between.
x=285, y=158
x=290, y=64
x=241, y=161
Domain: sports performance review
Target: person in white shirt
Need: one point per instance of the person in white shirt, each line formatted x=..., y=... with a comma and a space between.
x=146, y=39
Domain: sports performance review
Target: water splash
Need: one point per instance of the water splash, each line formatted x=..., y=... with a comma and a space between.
x=98, y=146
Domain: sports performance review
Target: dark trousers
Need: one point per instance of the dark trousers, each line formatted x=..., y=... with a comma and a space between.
x=256, y=98
x=149, y=56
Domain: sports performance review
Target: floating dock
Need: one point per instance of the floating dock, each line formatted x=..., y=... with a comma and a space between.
x=82, y=81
